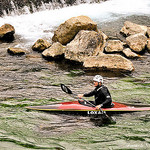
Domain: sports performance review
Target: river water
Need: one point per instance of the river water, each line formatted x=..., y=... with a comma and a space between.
x=31, y=80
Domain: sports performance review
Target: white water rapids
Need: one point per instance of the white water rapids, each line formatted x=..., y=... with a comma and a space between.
x=31, y=27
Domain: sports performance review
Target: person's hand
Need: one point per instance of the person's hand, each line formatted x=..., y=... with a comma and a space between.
x=98, y=107
x=80, y=95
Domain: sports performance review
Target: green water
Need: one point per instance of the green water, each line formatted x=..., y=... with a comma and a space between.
x=21, y=129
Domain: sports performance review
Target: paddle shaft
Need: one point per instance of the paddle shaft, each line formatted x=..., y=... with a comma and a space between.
x=76, y=96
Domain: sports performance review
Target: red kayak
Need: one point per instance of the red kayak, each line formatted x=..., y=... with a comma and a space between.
x=75, y=106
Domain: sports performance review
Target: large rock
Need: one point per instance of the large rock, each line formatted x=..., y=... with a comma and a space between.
x=114, y=46
x=7, y=32
x=85, y=44
x=130, y=28
x=40, y=45
x=68, y=30
x=128, y=53
x=110, y=62
x=55, y=51
x=137, y=42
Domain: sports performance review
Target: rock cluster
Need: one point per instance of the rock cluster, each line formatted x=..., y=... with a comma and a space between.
x=68, y=30
x=78, y=39
x=86, y=44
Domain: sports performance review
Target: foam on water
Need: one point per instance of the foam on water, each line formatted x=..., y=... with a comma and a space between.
x=41, y=24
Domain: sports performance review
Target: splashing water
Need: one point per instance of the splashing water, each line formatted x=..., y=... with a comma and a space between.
x=31, y=27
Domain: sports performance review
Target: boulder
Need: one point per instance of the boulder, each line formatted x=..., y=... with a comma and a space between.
x=148, y=45
x=68, y=30
x=130, y=28
x=137, y=42
x=40, y=45
x=55, y=51
x=128, y=53
x=114, y=46
x=7, y=32
x=16, y=51
x=110, y=62
x=85, y=44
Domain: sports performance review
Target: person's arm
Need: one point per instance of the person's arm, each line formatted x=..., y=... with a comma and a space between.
x=92, y=93
x=87, y=94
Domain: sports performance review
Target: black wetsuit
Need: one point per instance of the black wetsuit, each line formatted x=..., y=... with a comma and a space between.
x=102, y=96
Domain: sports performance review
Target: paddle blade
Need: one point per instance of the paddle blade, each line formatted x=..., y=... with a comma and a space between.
x=66, y=89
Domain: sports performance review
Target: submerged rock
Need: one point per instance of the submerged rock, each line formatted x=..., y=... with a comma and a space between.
x=7, y=32
x=68, y=30
x=16, y=51
x=55, y=51
x=130, y=28
x=109, y=62
x=40, y=45
x=85, y=44
x=137, y=42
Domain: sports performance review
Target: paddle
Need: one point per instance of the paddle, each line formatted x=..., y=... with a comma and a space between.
x=68, y=91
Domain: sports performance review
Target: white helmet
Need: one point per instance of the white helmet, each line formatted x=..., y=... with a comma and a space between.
x=98, y=78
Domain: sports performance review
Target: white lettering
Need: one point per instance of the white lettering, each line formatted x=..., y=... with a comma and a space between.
x=94, y=112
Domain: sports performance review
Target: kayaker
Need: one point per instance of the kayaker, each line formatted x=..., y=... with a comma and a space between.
x=101, y=93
